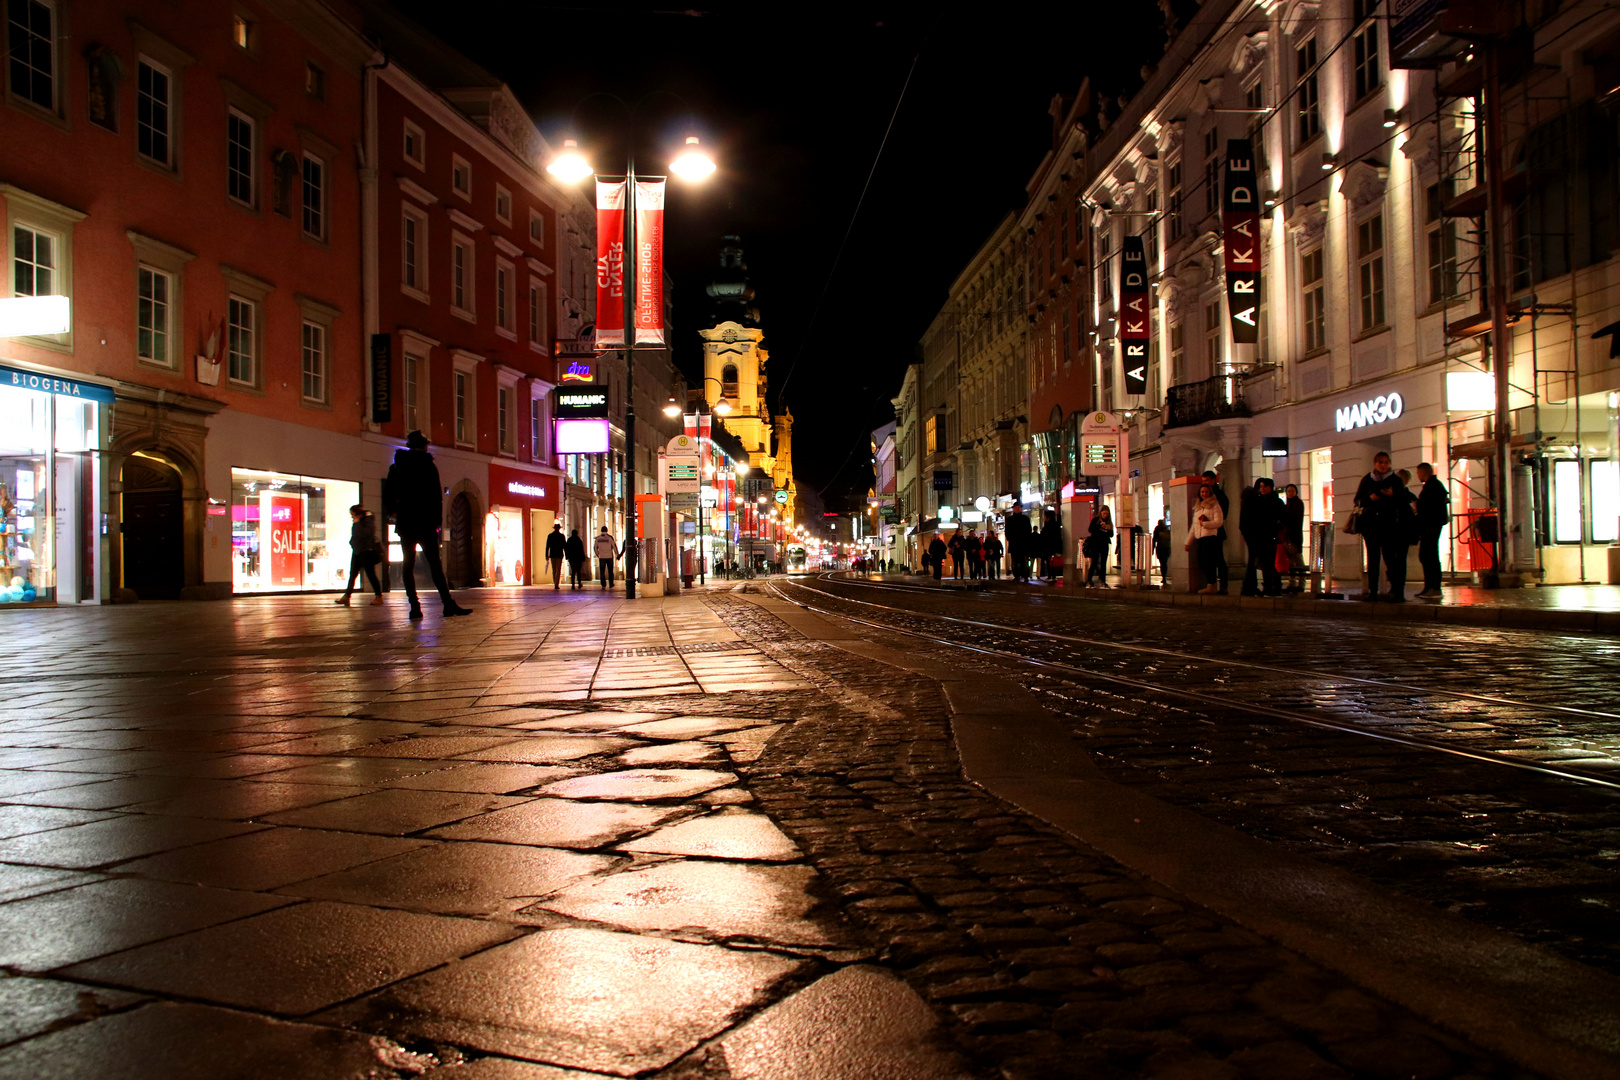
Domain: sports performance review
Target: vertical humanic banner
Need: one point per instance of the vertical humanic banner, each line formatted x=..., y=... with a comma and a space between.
x=1240, y=221
x=1135, y=308
x=610, y=264
x=649, y=262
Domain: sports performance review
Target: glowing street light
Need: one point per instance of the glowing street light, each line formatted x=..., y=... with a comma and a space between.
x=570, y=165
x=693, y=162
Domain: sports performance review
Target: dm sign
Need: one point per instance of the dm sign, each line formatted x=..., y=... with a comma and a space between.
x=1240, y=220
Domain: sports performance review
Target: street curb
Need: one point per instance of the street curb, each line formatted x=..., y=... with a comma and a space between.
x=1549, y=1014
x=1503, y=617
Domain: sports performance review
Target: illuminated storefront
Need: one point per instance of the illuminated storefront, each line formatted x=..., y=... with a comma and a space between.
x=523, y=506
x=289, y=533
x=51, y=432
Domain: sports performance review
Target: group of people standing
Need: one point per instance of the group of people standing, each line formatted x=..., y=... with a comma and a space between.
x=1033, y=552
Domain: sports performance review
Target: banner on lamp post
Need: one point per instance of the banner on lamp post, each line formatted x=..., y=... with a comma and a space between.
x=1135, y=313
x=1240, y=224
x=649, y=262
x=610, y=281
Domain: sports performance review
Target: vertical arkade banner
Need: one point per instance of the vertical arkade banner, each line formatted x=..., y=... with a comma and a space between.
x=610, y=264
x=1240, y=223
x=649, y=262
x=1135, y=313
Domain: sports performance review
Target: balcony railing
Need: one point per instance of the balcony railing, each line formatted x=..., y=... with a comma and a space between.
x=1217, y=398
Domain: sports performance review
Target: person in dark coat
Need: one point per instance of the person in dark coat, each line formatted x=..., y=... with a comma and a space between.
x=1018, y=528
x=1294, y=538
x=1221, y=584
x=1052, y=546
x=1383, y=500
x=365, y=552
x=1433, y=514
x=1099, y=538
x=993, y=551
x=1161, y=549
x=936, y=556
x=575, y=547
x=958, y=548
x=1260, y=523
x=413, y=497
x=973, y=549
x=556, y=552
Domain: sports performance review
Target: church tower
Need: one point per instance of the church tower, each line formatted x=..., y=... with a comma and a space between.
x=734, y=357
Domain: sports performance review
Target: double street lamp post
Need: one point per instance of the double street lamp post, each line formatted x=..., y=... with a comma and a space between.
x=570, y=166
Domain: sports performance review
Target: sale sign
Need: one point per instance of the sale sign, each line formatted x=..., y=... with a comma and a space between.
x=1135, y=318
x=1240, y=222
x=649, y=262
x=610, y=283
x=286, y=540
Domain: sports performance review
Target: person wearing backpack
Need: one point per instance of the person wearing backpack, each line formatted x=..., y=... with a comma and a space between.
x=365, y=552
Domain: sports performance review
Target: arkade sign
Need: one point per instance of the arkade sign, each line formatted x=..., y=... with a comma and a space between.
x=1380, y=409
x=1240, y=220
x=1133, y=313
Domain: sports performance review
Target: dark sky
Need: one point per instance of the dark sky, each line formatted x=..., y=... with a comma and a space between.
x=794, y=99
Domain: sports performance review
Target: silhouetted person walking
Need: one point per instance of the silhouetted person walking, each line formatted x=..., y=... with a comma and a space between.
x=576, y=560
x=413, y=497
x=364, y=554
x=556, y=552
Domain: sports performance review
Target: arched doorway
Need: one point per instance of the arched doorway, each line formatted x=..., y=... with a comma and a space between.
x=154, y=561
x=462, y=561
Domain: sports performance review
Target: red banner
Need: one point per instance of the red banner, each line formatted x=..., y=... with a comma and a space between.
x=610, y=264
x=286, y=540
x=649, y=262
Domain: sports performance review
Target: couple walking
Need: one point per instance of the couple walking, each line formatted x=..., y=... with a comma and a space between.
x=573, y=549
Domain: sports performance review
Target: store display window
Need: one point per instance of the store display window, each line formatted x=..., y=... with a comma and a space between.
x=26, y=524
x=503, y=541
x=289, y=533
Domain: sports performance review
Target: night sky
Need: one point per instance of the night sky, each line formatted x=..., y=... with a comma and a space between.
x=795, y=100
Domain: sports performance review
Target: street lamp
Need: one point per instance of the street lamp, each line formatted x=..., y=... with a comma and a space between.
x=569, y=166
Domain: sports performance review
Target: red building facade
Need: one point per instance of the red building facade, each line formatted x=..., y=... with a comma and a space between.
x=185, y=174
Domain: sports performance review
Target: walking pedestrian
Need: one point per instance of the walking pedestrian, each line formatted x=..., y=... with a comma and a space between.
x=1261, y=521
x=365, y=552
x=413, y=496
x=936, y=556
x=1161, y=549
x=993, y=551
x=954, y=546
x=1018, y=529
x=575, y=548
x=556, y=551
x=1204, y=537
x=1099, y=538
x=1225, y=502
x=606, y=551
x=1385, y=508
x=1294, y=538
x=1434, y=514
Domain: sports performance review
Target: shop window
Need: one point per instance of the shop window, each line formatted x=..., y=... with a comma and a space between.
x=242, y=346
x=25, y=476
x=413, y=253
x=1566, y=501
x=1604, y=476
x=314, y=363
x=289, y=533
x=152, y=112
x=1370, y=270
x=314, y=200
x=32, y=59
x=1315, y=300
x=1307, y=113
x=152, y=316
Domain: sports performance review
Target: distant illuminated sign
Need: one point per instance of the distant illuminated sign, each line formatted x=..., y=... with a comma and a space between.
x=580, y=402
x=581, y=436
x=1378, y=410
x=526, y=489
x=1274, y=446
x=577, y=372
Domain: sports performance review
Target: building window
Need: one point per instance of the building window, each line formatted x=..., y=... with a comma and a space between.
x=314, y=197
x=1212, y=335
x=152, y=316
x=503, y=205
x=241, y=346
x=461, y=177
x=33, y=256
x=32, y=52
x=1604, y=480
x=1367, y=73
x=239, y=140
x=1105, y=272
x=461, y=275
x=1212, y=170
x=1178, y=355
x=463, y=408
x=537, y=313
x=413, y=251
x=505, y=316
x=314, y=81
x=415, y=145
x=1254, y=99
x=242, y=32
x=503, y=419
x=314, y=363
x=1315, y=296
x=152, y=96
x=1370, y=270
x=1063, y=233
x=1308, y=113
x=537, y=227
x=1173, y=200
x=1442, y=238
x=415, y=367
x=537, y=428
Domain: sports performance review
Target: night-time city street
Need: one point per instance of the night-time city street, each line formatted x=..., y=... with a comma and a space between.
x=764, y=542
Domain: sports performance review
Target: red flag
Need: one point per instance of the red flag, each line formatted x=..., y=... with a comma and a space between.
x=649, y=262
x=610, y=264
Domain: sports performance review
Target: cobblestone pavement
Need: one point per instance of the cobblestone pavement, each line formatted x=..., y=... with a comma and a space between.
x=277, y=839
x=1515, y=850
x=1051, y=959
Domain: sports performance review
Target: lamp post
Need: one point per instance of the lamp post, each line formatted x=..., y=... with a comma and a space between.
x=570, y=166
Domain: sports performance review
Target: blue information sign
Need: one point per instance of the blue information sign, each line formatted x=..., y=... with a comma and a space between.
x=54, y=384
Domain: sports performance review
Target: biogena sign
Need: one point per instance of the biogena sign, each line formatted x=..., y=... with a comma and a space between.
x=1378, y=410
